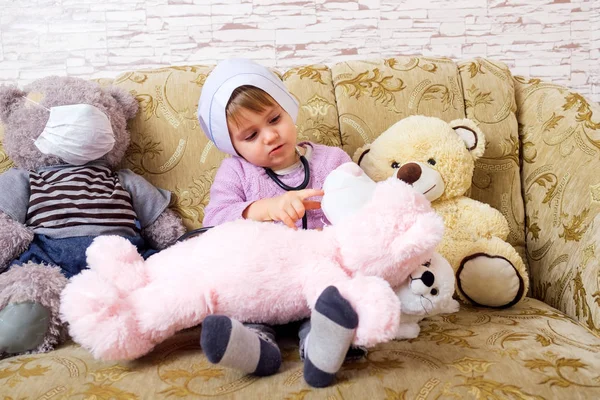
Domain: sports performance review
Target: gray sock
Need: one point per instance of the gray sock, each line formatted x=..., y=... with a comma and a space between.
x=250, y=349
x=333, y=324
x=355, y=353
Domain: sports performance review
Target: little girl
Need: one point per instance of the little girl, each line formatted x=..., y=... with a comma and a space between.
x=247, y=112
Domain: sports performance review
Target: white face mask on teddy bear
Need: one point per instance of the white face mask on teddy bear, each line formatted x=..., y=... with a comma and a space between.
x=76, y=133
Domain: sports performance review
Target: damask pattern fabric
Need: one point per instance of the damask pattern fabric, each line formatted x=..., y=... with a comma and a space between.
x=373, y=95
x=490, y=101
x=318, y=117
x=560, y=136
x=5, y=162
x=167, y=145
x=528, y=352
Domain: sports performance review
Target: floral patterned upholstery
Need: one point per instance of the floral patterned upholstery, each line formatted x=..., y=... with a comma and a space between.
x=528, y=352
x=560, y=136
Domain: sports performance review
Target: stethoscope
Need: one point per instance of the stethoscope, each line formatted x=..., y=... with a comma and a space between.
x=279, y=183
x=287, y=188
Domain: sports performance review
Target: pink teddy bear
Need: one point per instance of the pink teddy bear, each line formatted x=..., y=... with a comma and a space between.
x=123, y=306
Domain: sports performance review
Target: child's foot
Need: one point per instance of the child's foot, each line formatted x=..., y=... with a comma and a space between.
x=333, y=324
x=354, y=353
x=229, y=343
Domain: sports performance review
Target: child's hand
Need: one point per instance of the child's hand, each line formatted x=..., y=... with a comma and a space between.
x=291, y=206
x=287, y=208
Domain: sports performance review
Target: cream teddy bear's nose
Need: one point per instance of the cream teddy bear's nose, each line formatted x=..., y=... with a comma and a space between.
x=409, y=173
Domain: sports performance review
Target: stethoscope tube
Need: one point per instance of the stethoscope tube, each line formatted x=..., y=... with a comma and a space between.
x=194, y=232
x=287, y=188
x=279, y=183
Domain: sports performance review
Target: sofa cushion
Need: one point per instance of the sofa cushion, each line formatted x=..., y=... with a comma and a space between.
x=531, y=351
x=490, y=101
x=312, y=85
x=373, y=95
x=167, y=145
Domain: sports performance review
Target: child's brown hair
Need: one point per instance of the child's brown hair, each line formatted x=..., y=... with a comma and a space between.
x=249, y=97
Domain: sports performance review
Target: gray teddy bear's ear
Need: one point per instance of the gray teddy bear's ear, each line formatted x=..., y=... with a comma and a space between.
x=11, y=98
x=126, y=101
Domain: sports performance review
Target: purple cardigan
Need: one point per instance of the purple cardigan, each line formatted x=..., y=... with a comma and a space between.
x=239, y=183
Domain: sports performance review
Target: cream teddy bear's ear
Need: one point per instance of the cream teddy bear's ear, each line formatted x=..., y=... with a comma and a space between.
x=361, y=152
x=470, y=133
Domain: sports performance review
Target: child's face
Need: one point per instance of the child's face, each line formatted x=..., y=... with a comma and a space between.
x=266, y=139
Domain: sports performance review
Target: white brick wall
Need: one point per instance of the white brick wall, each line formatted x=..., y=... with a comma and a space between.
x=558, y=40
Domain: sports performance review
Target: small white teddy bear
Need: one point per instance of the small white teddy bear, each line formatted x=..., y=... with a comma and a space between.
x=429, y=289
x=427, y=292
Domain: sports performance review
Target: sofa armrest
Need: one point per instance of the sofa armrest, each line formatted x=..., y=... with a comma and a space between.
x=559, y=132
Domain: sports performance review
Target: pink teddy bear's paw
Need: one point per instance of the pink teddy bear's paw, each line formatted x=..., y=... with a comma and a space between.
x=101, y=319
x=111, y=249
x=117, y=260
x=377, y=306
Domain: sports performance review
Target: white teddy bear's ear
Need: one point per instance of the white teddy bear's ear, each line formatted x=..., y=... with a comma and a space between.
x=361, y=152
x=470, y=133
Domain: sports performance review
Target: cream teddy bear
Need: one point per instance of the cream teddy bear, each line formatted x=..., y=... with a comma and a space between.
x=438, y=158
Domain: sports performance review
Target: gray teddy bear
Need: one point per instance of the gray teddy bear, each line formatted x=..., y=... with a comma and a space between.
x=66, y=137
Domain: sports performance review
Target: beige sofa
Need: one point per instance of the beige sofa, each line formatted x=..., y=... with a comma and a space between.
x=540, y=170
